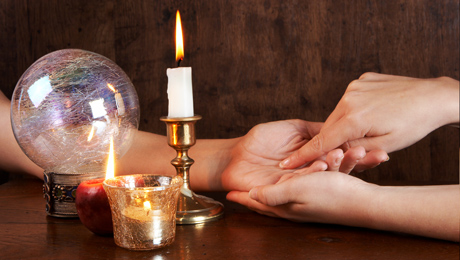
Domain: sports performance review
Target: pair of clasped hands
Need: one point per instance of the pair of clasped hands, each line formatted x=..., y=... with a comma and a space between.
x=305, y=165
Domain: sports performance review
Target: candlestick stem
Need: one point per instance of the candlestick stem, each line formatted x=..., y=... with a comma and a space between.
x=182, y=163
x=191, y=208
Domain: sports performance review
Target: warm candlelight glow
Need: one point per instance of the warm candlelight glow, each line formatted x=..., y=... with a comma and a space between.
x=110, y=86
x=110, y=173
x=91, y=134
x=147, y=206
x=179, y=40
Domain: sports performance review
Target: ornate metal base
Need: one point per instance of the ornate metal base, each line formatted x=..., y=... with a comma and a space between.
x=59, y=191
x=193, y=208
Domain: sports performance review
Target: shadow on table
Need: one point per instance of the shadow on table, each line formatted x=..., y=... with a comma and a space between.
x=4, y=177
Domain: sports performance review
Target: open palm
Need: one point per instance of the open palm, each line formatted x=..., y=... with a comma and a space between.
x=256, y=157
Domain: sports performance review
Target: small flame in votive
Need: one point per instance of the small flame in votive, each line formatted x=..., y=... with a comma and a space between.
x=110, y=86
x=110, y=172
x=91, y=134
x=179, y=39
x=147, y=206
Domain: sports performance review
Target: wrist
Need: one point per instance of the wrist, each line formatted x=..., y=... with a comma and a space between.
x=349, y=202
x=450, y=101
x=362, y=204
x=211, y=158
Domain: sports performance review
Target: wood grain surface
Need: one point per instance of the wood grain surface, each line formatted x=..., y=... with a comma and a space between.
x=253, y=61
x=27, y=233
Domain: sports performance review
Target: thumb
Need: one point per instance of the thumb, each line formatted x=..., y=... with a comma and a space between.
x=270, y=195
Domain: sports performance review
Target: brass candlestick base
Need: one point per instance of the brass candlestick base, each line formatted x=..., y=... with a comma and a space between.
x=191, y=208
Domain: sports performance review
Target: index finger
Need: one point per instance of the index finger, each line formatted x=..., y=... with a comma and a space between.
x=328, y=139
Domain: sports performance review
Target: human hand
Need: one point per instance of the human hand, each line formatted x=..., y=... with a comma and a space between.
x=385, y=112
x=256, y=156
x=322, y=197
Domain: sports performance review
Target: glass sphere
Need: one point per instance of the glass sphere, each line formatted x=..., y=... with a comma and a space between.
x=68, y=105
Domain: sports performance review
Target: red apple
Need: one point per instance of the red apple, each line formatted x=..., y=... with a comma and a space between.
x=93, y=207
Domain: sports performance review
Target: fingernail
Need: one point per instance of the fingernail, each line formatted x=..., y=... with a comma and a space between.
x=285, y=163
x=253, y=193
x=323, y=168
x=388, y=158
x=339, y=160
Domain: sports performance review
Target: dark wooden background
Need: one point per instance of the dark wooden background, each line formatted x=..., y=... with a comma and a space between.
x=253, y=61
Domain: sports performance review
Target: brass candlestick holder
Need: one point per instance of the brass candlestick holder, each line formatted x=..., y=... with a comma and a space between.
x=191, y=208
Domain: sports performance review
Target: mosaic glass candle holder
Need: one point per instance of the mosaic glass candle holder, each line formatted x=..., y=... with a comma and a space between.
x=143, y=210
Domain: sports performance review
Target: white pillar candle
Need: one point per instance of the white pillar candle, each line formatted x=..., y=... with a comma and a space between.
x=180, y=94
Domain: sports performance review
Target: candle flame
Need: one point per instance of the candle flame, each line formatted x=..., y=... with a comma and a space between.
x=110, y=86
x=147, y=206
x=91, y=134
x=110, y=172
x=179, y=39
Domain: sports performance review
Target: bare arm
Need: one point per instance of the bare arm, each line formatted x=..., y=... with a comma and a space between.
x=336, y=198
x=149, y=154
x=12, y=159
x=432, y=211
x=220, y=164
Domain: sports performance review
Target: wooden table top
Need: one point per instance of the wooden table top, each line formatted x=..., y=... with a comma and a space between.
x=26, y=232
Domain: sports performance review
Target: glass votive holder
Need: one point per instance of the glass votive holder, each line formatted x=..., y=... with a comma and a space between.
x=143, y=210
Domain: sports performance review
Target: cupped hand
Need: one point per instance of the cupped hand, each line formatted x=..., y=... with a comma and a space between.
x=256, y=156
x=384, y=112
x=323, y=197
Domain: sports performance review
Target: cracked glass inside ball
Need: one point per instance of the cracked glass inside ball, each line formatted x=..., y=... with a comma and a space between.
x=68, y=105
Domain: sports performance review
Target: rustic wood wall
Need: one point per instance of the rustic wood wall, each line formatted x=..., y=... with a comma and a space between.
x=253, y=61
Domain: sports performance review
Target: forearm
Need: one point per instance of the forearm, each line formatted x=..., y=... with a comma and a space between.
x=431, y=211
x=151, y=154
x=448, y=99
x=12, y=158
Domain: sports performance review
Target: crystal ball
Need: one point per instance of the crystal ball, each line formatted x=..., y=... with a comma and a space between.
x=66, y=108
